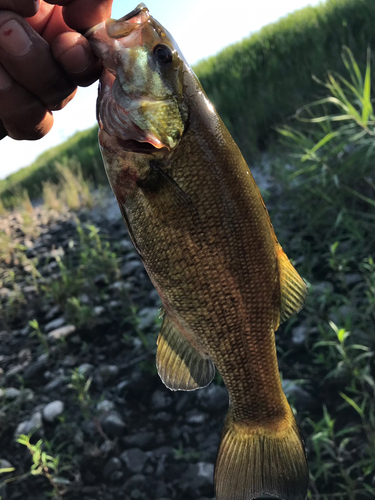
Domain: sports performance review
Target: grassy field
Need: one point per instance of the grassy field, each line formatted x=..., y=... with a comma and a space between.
x=255, y=85
x=322, y=205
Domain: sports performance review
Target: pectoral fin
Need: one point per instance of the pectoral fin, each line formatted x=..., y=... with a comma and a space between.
x=181, y=366
x=293, y=288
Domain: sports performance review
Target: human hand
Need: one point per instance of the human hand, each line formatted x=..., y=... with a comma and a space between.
x=43, y=57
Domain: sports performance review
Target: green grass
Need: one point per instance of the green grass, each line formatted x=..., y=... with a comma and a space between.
x=325, y=217
x=255, y=85
x=258, y=82
x=82, y=147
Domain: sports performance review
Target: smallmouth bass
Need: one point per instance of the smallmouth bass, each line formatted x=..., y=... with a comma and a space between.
x=197, y=219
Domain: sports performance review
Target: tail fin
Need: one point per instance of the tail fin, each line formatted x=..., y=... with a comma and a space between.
x=258, y=461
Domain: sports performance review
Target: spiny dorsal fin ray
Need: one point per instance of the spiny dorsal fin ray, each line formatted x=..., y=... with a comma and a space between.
x=181, y=366
x=293, y=288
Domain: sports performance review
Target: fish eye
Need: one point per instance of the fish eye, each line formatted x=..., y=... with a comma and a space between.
x=163, y=53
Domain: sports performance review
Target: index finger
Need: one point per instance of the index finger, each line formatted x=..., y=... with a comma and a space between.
x=25, y=8
x=81, y=15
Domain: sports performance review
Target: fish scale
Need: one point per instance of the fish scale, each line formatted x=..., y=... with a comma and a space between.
x=197, y=219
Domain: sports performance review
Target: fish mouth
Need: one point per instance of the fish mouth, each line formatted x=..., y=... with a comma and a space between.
x=137, y=147
x=117, y=122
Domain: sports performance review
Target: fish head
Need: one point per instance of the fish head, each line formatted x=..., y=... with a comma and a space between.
x=141, y=106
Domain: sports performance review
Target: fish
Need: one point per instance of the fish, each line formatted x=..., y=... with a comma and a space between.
x=197, y=219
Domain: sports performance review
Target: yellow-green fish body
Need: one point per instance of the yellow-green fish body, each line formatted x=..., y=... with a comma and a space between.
x=198, y=221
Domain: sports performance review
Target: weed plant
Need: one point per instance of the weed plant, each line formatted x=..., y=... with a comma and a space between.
x=88, y=262
x=327, y=216
x=43, y=464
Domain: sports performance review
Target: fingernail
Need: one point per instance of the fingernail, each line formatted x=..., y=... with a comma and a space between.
x=5, y=79
x=76, y=59
x=14, y=39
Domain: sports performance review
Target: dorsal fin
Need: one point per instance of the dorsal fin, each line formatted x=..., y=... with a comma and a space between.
x=181, y=366
x=293, y=288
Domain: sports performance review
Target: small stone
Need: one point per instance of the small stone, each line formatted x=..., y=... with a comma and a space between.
x=198, y=479
x=113, y=425
x=147, y=317
x=134, y=459
x=37, y=368
x=15, y=370
x=105, y=406
x=84, y=299
x=29, y=426
x=160, y=400
x=213, y=398
x=53, y=312
x=100, y=280
x=300, y=335
x=86, y=369
x=352, y=278
x=11, y=393
x=4, y=464
x=54, y=324
x=55, y=383
x=298, y=396
x=142, y=440
x=29, y=289
x=108, y=372
x=5, y=292
x=195, y=417
x=24, y=355
x=113, y=464
x=98, y=310
x=116, y=476
x=62, y=333
x=53, y=410
x=130, y=268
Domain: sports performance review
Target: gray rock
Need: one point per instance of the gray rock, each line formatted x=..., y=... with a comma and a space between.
x=300, y=335
x=4, y=464
x=213, y=398
x=134, y=459
x=105, y=406
x=11, y=393
x=297, y=396
x=161, y=400
x=130, y=268
x=113, y=464
x=100, y=280
x=136, y=485
x=37, y=368
x=98, y=310
x=108, y=372
x=195, y=417
x=142, y=440
x=54, y=324
x=53, y=410
x=198, y=479
x=27, y=395
x=29, y=426
x=147, y=317
x=56, y=383
x=352, y=278
x=62, y=333
x=116, y=476
x=113, y=425
x=323, y=287
x=52, y=313
x=24, y=355
x=86, y=369
x=13, y=371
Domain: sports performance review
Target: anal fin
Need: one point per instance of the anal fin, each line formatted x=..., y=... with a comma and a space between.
x=181, y=366
x=293, y=288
